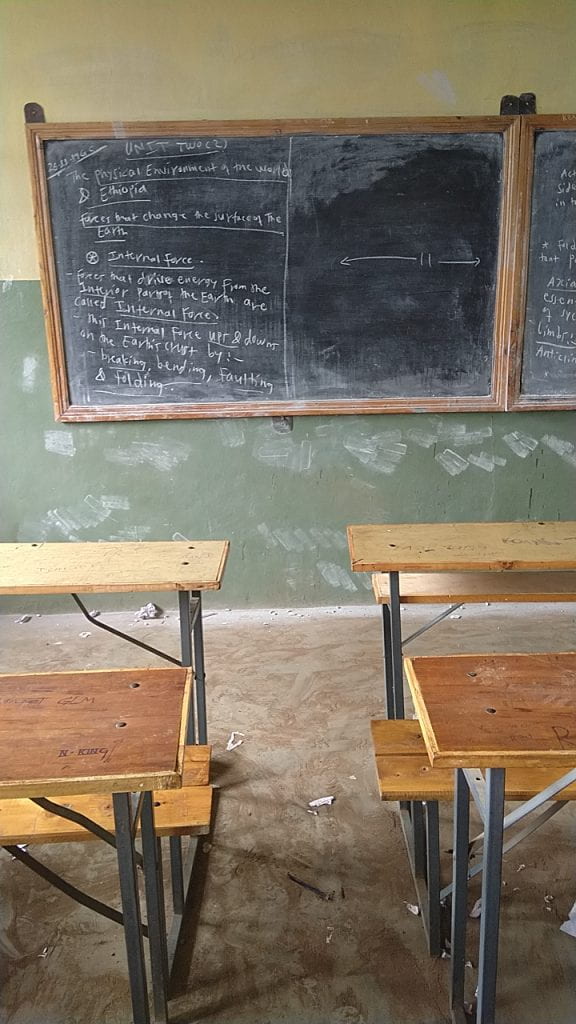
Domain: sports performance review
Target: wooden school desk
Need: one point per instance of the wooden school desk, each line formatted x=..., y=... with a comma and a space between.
x=119, y=732
x=534, y=556
x=187, y=567
x=453, y=547
x=494, y=712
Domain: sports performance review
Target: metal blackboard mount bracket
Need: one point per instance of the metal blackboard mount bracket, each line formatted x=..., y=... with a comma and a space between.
x=283, y=424
x=34, y=113
x=525, y=103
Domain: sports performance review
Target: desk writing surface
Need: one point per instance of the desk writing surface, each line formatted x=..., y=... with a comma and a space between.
x=111, y=567
x=96, y=731
x=439, y=547
x=497, y=710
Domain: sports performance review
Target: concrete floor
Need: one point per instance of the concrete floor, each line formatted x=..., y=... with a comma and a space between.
x=302, y=687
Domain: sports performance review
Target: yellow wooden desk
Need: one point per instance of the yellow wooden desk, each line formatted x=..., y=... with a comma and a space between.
x=537, y=558
x=492, y=712
x=113, y=731
x=445, y=547
x=187, y=567
x=448, y=548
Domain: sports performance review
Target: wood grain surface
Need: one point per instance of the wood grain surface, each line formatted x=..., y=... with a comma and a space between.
x=92, y=732
x=177, y=812
x=404, y=771
x=475, y=587
x=437, y=547
x=497, y=710
x=110, y=567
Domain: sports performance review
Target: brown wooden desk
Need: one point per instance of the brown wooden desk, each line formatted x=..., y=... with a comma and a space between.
x=112, y=731
x=493, y=712
x=186, y=567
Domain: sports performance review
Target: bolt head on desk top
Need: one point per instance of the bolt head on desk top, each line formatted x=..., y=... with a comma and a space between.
x=100, y=731
x=497, y=711
x=437, y=547
x=111, y=567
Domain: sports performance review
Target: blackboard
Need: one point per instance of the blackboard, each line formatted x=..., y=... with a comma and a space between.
x=545, y=372
x=264, y=269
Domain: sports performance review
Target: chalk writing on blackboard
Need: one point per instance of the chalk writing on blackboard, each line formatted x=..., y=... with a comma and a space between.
x=289, y=271
x=549, y=356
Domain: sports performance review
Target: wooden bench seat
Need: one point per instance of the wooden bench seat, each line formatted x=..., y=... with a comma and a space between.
x=178, y=812
x=405, y=773
x=475, y=587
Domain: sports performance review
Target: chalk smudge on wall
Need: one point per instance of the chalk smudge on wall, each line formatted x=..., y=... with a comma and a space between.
x=327, y=538
x=521, y=444
x=108, y=502
x=421, y=437
x=486, y=461
x=565, y=449
x=453, y=463
x=299, y=540
x=231, y=433
x=61, y=442
x=71, y=521
x=380, y=452
x=459, y=436
x=29, y=373
x=439, y=86
x=132, y=533
x=284, y=453
x=142, y=452
x=336, y=576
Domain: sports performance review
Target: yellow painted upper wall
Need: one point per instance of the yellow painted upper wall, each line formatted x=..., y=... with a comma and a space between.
x=184, y=59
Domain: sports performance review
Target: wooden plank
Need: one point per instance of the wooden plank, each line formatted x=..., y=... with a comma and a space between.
x=497, y=710
x=412, y=777
x=112, y=567
x=439, y=547
x=196, y=765
x=396, y=737
x=405, y=773
x=97, y=731
x=177, y=812
x=475, y=587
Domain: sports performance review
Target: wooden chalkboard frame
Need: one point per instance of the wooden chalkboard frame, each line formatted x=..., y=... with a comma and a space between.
x=40, y=133
x=517, y=401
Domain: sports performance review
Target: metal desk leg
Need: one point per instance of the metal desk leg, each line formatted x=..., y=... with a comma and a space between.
x=153, y=881
x=459, y=894
x=433, y=909
x=396, y=645
x=491, y=883
x=199, y=675
x=131, y=906
x=184, y=608
x=176, y=861
x=388, y=679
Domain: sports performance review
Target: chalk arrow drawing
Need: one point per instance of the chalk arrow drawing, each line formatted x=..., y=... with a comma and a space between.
x=358, y=259
x=423, y=259
x=471, y=263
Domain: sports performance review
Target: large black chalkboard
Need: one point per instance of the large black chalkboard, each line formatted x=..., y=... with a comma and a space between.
x=197, y=274
x=548, y=363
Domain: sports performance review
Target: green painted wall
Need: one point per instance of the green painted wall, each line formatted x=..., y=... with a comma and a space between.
x=283, y=500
